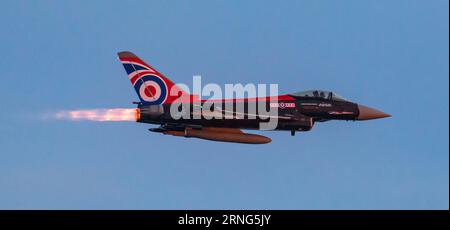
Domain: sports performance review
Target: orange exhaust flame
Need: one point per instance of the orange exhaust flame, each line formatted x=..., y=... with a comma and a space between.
x=118, y=114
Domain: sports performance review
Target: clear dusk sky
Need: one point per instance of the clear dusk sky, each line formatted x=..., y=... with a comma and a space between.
x=61, y=55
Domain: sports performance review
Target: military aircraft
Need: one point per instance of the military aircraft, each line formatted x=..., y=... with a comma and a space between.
x=295, y=112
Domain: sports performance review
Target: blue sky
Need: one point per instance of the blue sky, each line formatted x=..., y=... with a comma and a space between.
x=392, y=55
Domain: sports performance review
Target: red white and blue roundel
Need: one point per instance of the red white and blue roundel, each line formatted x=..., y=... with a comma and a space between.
x=151, y=89
x=150, y=85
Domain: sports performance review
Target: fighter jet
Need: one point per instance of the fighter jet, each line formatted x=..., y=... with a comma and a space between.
x=295, y=112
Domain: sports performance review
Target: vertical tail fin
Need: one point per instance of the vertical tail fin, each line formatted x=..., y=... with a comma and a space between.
x=150, y=85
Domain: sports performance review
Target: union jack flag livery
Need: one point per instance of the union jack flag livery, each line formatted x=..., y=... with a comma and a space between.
x=150, y=85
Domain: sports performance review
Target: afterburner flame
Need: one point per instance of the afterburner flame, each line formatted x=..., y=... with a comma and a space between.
x=118, y=114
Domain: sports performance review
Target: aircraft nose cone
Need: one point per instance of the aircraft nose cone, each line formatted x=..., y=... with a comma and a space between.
x=367, y=113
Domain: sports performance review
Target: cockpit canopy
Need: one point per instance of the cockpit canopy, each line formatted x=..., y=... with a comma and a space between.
x=320, y=94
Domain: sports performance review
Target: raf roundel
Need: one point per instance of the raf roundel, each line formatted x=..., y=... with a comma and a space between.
x=152, y=89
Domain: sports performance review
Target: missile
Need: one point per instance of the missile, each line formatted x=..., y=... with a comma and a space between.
x=221, y=134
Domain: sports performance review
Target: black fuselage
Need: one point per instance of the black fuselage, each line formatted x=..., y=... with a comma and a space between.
x=294, y=113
